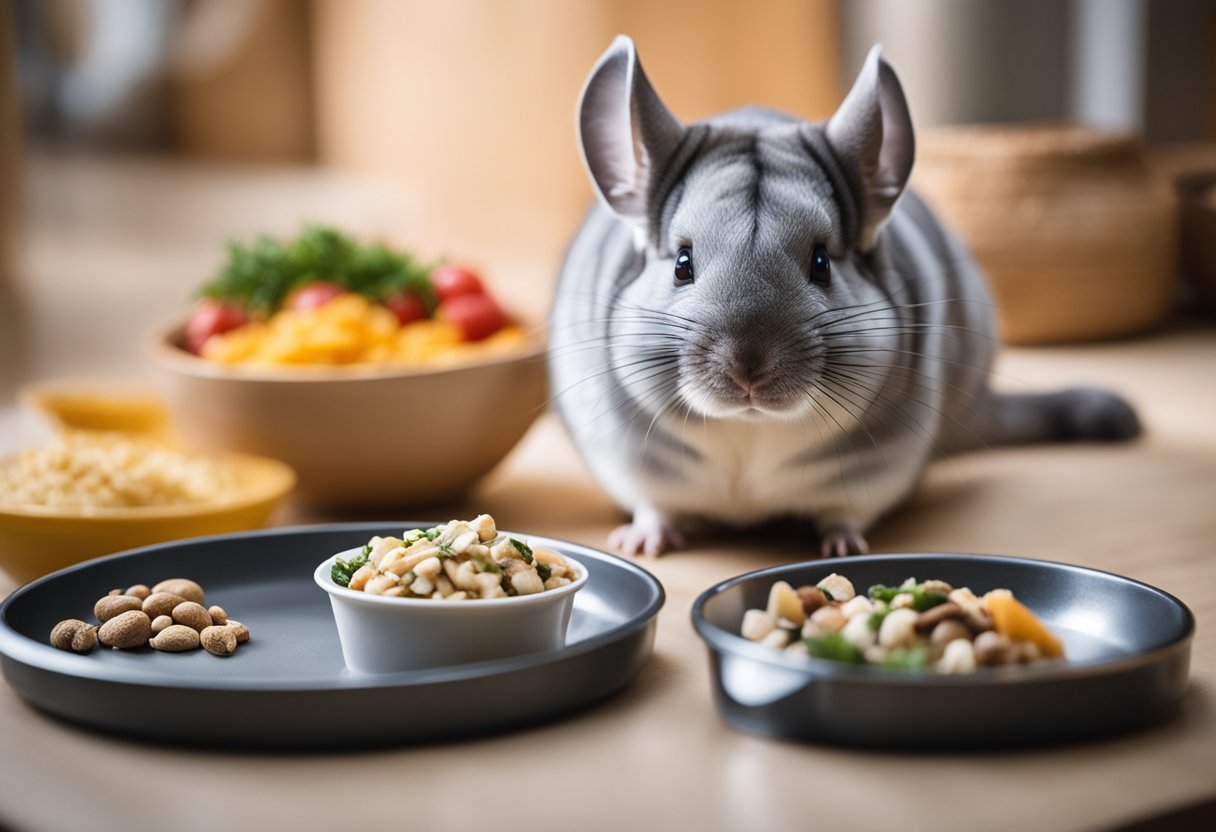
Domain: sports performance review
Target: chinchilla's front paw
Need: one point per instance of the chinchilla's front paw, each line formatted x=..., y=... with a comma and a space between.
x=843, y=541
x=651, y=533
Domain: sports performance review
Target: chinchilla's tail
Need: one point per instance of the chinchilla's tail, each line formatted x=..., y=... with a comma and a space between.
x=1076, y=414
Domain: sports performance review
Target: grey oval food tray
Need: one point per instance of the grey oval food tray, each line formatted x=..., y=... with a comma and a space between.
x=288, y=687
x=1128, y=646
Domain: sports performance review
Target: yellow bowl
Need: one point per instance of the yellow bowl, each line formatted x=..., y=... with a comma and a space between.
x=35, y=540
x=362, y=436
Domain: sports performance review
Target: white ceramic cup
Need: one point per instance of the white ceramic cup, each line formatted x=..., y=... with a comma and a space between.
x=382, y=634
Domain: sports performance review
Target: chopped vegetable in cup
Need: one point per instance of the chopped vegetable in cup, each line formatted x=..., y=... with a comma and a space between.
x=927, y=625
x=458, y=561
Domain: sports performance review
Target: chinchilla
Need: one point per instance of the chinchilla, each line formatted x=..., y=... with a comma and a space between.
x=759, y=320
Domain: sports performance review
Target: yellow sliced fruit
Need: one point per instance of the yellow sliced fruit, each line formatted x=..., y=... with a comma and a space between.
x=1012, y=619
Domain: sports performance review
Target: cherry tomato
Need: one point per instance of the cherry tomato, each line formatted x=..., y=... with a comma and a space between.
x=407, y=306
x=313, y=295
x=453, y=281
x=475, y=316
x=212, y=317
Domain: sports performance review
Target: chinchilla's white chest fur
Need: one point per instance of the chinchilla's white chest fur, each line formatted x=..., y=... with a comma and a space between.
x=747, y=472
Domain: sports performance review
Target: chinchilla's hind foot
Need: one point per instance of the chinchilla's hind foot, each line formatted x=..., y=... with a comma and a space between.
x=1076, y=414
x=651, y=533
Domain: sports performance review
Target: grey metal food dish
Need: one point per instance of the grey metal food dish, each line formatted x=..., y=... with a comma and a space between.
x=287, y=687
x=1128, y=646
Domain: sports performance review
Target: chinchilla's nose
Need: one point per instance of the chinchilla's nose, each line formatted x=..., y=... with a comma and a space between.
x=748, y=368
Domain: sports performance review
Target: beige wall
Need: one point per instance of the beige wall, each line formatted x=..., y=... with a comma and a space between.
x=10, y=203
x=469, y=104
x=251, y=102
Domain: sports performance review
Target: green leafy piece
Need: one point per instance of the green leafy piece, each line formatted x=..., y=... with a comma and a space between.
x=260, y=274
x=877, y=616
x=525, y=551
x=879, y=592
x=340, y=573
x=343, y=570
x=544, y=571
x=921, y=599
x=826, y=594
x=484, y=564
x=411, y=537
x=907, y=658
x=833, y=646
x=445, y=551
x=433, y=532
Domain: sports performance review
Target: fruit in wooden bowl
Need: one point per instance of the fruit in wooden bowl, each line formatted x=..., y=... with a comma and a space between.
x=381, y=382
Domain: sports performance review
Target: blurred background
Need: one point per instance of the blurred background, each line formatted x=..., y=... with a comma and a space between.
x=138, y=135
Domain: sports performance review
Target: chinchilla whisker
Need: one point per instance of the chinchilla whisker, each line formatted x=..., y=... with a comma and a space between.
x=844, y=480
x=921, y=381
x=639, y=406
x=644, y=363
x=861, y=423
x=883, y=393
x=856, y=306
x=879, y=375
x=888, y=406
x=859, y=352
x=613, y=303
x=654, y=325
x=833, y=355
x=870, y=326
x=904, y=328
x=634, y=347
x=666, y=405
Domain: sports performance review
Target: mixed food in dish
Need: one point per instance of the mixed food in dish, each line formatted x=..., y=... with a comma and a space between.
x=925, y=625
x=168, y=617
x=97, y=470
x=458, y=561
x=325, y=299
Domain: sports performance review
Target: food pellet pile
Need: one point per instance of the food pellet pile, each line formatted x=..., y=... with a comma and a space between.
x=927, y=625
x=93, y=470
x=169, y=617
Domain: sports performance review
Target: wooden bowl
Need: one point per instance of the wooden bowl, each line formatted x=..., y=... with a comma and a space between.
x=1078, y=238
x=360, y=436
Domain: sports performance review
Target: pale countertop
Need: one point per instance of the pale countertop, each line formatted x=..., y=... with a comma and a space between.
x=657, y=755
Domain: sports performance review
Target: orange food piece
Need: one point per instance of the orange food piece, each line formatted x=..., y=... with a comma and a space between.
x=1011, y=618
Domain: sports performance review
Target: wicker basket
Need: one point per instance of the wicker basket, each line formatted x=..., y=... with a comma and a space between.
x=1078, y=238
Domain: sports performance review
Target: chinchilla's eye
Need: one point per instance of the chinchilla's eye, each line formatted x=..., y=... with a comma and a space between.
x=683, y=267
x=821, y=265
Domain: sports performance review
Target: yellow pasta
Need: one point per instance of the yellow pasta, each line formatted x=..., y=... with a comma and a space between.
x=350, y=330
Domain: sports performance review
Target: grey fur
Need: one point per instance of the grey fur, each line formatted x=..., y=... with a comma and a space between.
x=755, y=391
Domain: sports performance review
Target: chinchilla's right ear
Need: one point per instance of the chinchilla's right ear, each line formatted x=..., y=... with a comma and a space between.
x=627, y=134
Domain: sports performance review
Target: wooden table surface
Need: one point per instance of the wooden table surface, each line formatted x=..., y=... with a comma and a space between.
x=657, y=755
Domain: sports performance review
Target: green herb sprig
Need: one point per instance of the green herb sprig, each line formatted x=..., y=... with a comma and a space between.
x=525, y=551
x=260, y=274
x=921, y=599
x=834, y=646
x=343, y=570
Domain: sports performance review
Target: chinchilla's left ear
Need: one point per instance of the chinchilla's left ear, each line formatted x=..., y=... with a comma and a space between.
x=872, y=132
x=628, y=135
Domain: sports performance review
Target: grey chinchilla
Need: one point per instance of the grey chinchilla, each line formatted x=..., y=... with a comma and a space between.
x=758, y=320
